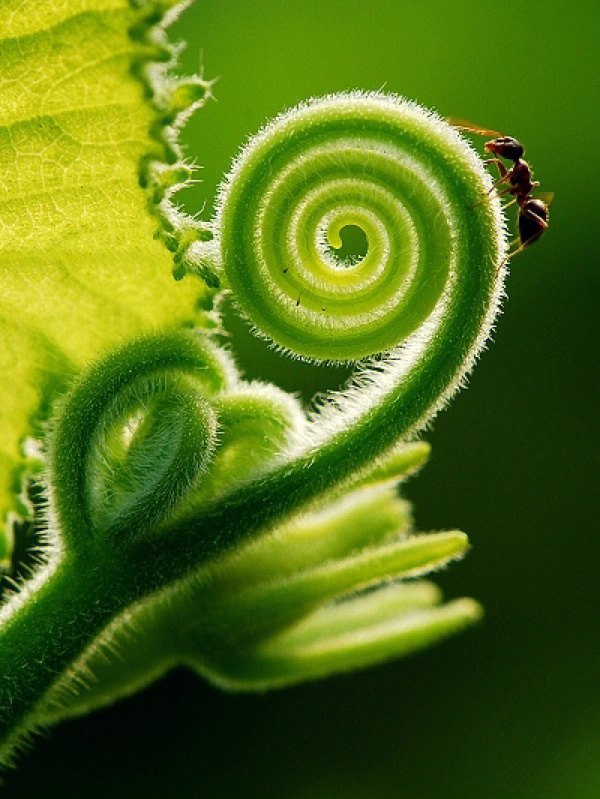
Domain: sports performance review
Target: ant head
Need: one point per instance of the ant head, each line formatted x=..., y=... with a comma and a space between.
x=506, y=147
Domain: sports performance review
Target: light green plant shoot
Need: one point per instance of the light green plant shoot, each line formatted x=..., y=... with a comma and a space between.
x=187, y=515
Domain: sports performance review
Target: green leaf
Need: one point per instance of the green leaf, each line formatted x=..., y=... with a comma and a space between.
x=332, y=641
x=366, y=517
x=252, y=612
x=80, y=267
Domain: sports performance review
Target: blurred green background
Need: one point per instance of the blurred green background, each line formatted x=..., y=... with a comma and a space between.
x=511, y=708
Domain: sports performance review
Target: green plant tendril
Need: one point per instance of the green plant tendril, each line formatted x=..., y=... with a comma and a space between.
x=133, y=438
x=393, y=395
x=194, y=518
x=401, y=175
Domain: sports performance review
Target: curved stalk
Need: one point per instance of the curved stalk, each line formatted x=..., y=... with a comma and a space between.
x=162, y=465
x=327, y=160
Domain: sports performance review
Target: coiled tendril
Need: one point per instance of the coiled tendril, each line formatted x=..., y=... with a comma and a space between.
x=385, y=165
x=161, y=449
x=134, y=436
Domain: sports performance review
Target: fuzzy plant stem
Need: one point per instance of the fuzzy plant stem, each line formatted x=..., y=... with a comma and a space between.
x=421, y=304
x=37, y=646
x=415, y=312
x=159, y=383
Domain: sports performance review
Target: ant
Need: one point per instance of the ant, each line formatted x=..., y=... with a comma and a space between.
x=533, y=211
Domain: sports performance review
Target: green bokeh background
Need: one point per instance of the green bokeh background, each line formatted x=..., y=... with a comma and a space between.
x=510, y=709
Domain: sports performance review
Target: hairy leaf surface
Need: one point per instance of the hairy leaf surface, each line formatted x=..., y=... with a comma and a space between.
x=80, y=268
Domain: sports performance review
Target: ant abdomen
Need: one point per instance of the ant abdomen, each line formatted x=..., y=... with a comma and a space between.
x=533, y=220
x=537, y=207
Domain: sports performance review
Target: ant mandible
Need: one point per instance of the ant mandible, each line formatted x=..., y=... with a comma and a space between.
x=533, y=211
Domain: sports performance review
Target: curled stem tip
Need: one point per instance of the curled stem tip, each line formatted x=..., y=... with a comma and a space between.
x=377, y=163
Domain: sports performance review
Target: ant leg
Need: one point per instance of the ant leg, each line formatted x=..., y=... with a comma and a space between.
x=504, y=176
x=512, y=202
x=506, y=258
x=501, y=169
x=512, y=254
x=487, y=196
x=503, y=179
x=543, y=226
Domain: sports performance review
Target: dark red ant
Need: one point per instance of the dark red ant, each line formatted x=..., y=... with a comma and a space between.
x=533, y=211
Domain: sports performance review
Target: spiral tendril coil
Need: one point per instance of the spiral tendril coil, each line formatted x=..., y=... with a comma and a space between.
x=134, y=437
x=382, y=164
x=160, y=459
